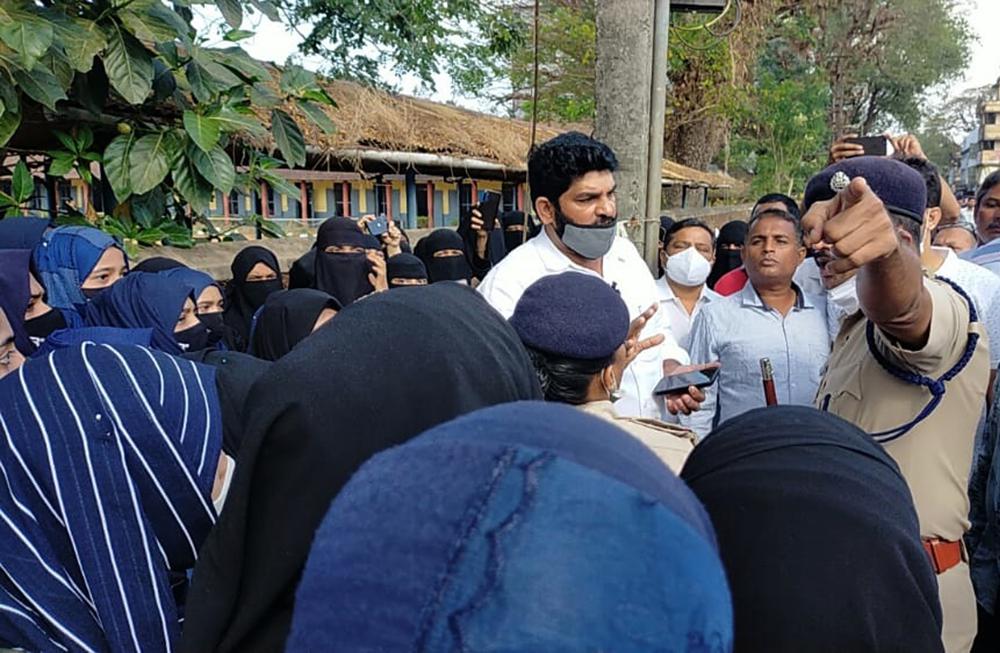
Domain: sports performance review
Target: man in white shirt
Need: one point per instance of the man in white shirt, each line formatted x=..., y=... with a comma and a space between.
x=573, y=192
x=686, y=258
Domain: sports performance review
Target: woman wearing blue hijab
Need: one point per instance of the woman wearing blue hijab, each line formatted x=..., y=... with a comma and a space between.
x=109, y=464
x=522, y=527
x=149, y=301
x=76, y=263
x=14, y=297
x=209, y=303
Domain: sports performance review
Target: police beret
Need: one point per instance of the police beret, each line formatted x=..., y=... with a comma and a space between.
x=572, y=314
x=900, y=187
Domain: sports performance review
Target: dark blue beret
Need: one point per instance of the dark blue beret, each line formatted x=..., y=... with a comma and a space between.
x=572, y=314
x=900, y=187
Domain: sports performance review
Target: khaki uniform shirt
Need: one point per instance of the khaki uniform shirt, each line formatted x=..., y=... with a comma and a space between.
x=935, y=456
x=672, y=444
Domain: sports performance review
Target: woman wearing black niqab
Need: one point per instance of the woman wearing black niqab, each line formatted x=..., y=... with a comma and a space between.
x=728, y=250
x=406, y=270
x=444, y=255
x=289, y=317
x=391, y=367
x=245, y=295
x=342, y=264
x=515, y=231
x=818, y=535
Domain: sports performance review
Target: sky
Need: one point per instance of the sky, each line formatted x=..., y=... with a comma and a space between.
x=275, y=42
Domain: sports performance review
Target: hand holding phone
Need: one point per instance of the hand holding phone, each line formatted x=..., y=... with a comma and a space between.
x=680, y=382
x=872, y=145
x=489, y=207
x=379, y=225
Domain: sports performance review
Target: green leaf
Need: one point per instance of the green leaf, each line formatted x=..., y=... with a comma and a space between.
x=210, y=61
x=316, y=114
x=232, y=11
x=82, y=40
x=288, y=137
x=84, y=138
x=190, y=184
x=280, y=184
x=164, y=82
x=68, y=141
x=9, y=122
x=41, y=86
x=22, y=183
x=147, y=26
x=149, y=209
x=203, y=130
x=57, y=62
x=238, y=60
x=216, y=167
x=116, y=165
x=28, y=35
x=233, y=121
x=91, y=89
x=150, y=162
x=202, y=84
x=268, y=9
x=261, y=96
x=296, y=80
x=8, y=95
x=176, y=235
x=319, y=95
x=238, y=35
x=129, y=66
x=61, y=165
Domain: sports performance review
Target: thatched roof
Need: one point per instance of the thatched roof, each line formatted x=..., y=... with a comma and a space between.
x=370, y=119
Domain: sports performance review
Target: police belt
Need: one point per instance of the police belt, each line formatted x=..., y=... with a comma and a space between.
x=935, y=386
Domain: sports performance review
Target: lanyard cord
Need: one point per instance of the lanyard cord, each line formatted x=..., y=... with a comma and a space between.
x=935, y=387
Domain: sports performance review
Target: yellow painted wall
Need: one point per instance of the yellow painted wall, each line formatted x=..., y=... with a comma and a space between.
x=490, y=185
x=284, y=203
x=319, y=195
x=247, y=204
x=213, y=205
x=400, y=187
x=363, y=187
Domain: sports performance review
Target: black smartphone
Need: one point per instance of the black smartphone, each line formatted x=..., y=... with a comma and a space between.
x=379, y=225
x=873, y=145
x=681, y=382
x=489, y=206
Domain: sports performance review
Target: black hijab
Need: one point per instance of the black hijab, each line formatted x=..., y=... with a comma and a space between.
x=514, y=238
x=818, y=534
x=157, y=264
x=727, y=260
x=243, y=298
x=449, y=268
x=345, y=276
x=287, y=319
x=405, y=266
x=235, y=374
x=302, y=274
x=395, y=365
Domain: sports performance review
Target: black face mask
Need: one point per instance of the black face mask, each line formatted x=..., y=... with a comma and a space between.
x=193, y=339
x=345, y=276
x=215, y=325
x=41, y=327
x=256, y=292
x=90, y=293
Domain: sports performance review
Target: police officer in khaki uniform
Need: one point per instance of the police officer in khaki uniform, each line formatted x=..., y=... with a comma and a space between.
x=912, y=366
x=577, y=332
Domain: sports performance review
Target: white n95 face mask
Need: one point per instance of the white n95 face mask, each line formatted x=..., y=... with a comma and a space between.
x=688, y=268
x=844, y=298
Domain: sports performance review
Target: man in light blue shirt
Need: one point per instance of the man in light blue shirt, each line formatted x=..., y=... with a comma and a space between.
x=770, y=318
x=987, y=225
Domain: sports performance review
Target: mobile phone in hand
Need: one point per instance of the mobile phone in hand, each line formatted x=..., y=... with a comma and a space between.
x=379, y=225
x=675, y=383
x=873, y=145
x=489, y=206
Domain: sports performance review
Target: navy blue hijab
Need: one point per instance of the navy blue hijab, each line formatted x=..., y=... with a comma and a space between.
x=21, y=232
x=142, y=300
x=522, y=527
x=64, y=258
x=819, y=536
x=15, y=294
x=108, y=460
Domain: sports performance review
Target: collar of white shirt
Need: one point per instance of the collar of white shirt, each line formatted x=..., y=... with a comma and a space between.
x=666, y=292
x=749, y=297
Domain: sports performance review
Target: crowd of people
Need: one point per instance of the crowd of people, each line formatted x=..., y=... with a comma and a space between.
x=476, y=442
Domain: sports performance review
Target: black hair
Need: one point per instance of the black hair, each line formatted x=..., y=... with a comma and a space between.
x=790, y=205
x=907, y=224
x=784, y=215
x=992, y=180
x=687, y=223
x=566, y=380
x=932, y=178
x=554, y=164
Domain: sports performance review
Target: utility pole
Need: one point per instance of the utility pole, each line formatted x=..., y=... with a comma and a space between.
x=631, y=80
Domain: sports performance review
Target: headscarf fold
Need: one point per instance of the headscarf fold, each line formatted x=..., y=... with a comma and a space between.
x=157, y=264
x=18, y=232
x=498, y=531
x=405, y=266
x=727, y=260
x=108, y=460
x=315, y=417
x=141, y=300
x=243, y=298
x=286, y=319
x=100, y=335
x=15, y=294
x=449, y=268
x=818, y=534
x=65, y=258
x=344, y=276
